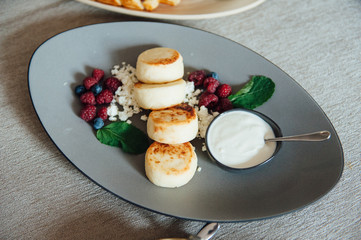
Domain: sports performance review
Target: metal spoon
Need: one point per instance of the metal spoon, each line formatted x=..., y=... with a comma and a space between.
x=206, y=233
x=313, y=137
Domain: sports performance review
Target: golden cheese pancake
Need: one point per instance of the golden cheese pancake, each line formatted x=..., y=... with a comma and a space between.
x=173, y=125
x=158, y=96
x=150, y=5
x=111, y=2
x=133, y=4
x=170, y=165
x=159, y=65
x=170, y=2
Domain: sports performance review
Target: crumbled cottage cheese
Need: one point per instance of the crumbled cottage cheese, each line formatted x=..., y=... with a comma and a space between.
x=144, y=117
x=191, y=94
x=124, y=95
x=204, y=117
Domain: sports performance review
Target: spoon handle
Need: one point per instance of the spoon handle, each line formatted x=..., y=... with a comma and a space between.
x=313, y=137
x=208, y=231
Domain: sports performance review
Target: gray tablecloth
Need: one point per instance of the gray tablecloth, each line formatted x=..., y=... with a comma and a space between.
x=42, y=196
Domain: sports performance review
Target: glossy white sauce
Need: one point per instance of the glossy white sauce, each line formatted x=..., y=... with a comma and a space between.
x=236, y=139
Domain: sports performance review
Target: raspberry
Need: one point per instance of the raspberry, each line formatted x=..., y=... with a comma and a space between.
x=88, y=98
x=98, y=74
x=210, y=84
x=88, y=82
x=208, y=80
x=223, y=105
x=105, y=96
x=197, y=77
x=102, y=113
x=208, y=100
x=88, y=113
x=212, y=87
x=112, y=84
x=224, y=91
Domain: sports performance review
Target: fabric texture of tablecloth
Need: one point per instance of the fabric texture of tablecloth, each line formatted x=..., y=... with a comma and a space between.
x=42, y=196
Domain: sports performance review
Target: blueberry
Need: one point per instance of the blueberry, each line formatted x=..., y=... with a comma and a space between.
x=79, y=90
x=96, y=89
x=98, y=123
x=213, y=75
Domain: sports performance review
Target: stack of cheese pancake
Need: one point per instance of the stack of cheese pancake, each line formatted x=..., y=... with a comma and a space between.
x=170, y=161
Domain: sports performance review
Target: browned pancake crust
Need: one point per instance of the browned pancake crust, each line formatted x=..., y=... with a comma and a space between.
x=170, y=152
x=179, y=114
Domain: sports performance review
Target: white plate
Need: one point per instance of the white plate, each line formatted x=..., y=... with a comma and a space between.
x=300, y=174
x=186, y=10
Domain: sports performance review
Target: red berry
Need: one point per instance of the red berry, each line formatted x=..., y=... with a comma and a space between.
x=211, y=84
x=224, y=91
x=105, y=96
x=223, y=105
x=208, y=100
x=98, y=74
x=112, y=84
x=88, y=113
x=208, y=80
x=197, y=77
x=88, y=82
x=102, y=113
x=88, y=98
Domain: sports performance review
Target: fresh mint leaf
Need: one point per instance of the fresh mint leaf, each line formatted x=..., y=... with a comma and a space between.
x=246, y=88
x=124, y=135
x=256, y=92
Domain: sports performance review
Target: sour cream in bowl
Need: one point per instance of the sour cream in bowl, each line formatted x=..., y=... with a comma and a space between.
x=235, y=139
